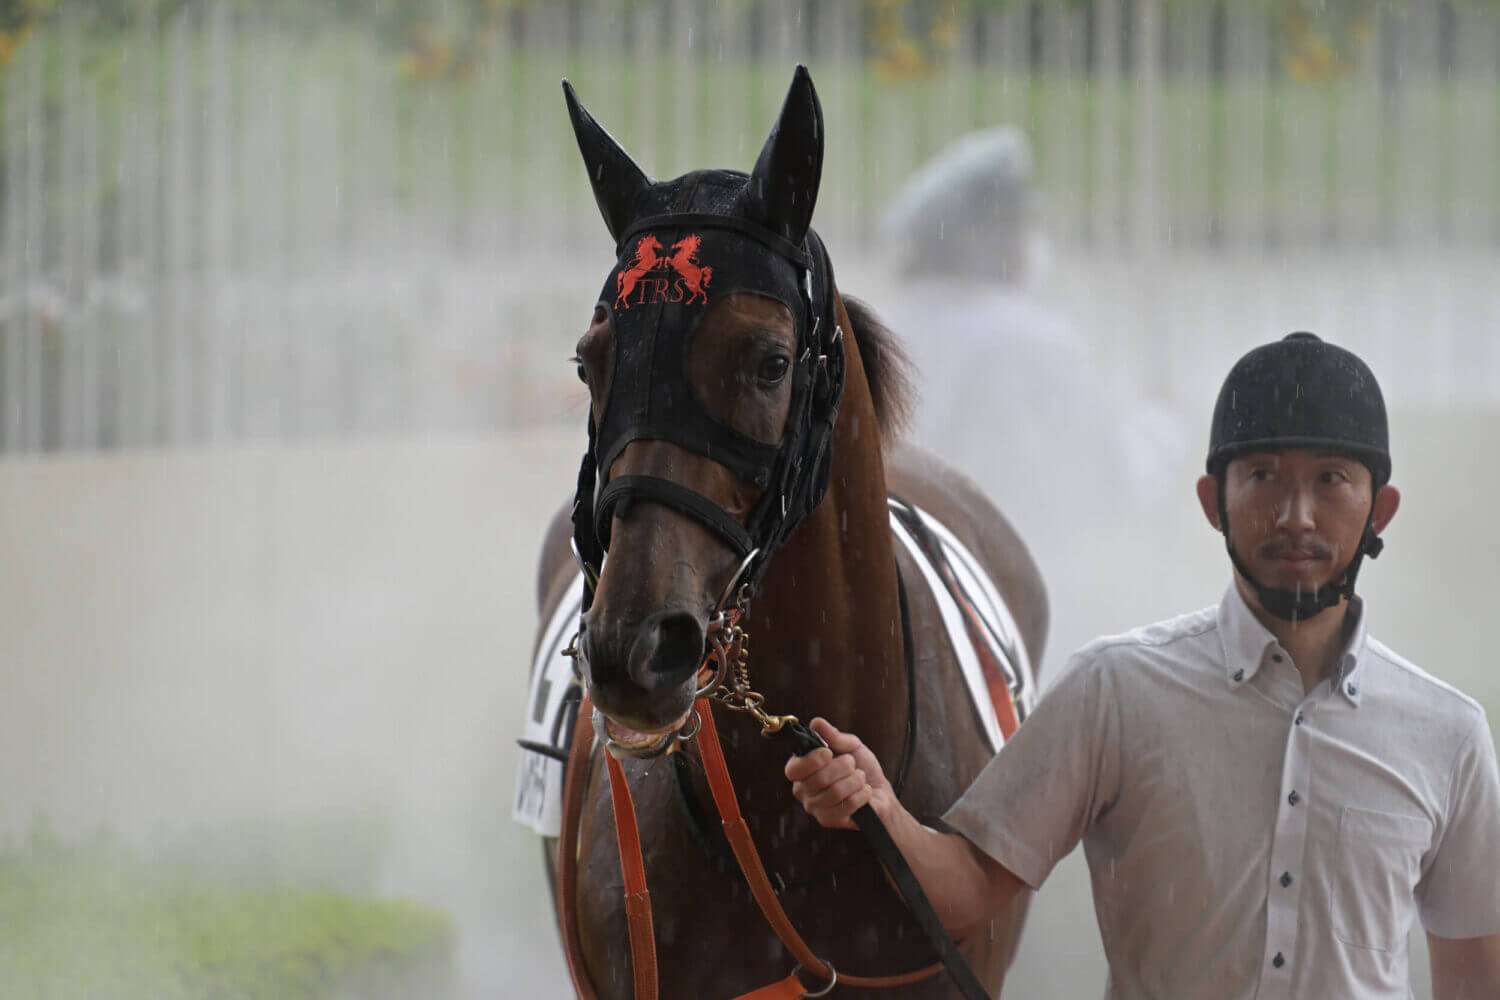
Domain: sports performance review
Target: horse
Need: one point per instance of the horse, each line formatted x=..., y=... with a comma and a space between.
x=779, y=403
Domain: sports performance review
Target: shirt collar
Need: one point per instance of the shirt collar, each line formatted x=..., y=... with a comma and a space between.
x=1248, y=644
x=1347, y=677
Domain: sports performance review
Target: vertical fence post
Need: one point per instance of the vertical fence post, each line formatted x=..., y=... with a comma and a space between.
x=179, y=208
x=214, y=315
x=17, y=112
x=1152, y=364
x=40, y=307
x=76, y=206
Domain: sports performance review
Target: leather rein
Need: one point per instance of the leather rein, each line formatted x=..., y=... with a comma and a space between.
x=729, y=684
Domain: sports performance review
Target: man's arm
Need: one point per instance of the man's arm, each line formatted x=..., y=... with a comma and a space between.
x=1465, y=968
x=964, y=885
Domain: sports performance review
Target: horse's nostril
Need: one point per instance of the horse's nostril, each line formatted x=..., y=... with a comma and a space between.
x=667, y=650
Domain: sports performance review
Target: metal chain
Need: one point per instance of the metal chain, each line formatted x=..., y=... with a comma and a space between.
x=729, y=652
x=731, y=649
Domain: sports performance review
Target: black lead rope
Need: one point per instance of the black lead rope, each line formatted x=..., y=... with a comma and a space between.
x=716, y=847
x=805, y=741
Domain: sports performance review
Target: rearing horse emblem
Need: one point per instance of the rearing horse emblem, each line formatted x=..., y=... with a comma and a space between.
x=691, y=278
x=646, y=260
x=694, y=277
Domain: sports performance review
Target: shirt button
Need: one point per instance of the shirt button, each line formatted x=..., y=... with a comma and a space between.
x=1278, y=961
x=1298, y=719
x=1353, y=690
x=1294, y=798
x=1286, y=879
x=1239, y=675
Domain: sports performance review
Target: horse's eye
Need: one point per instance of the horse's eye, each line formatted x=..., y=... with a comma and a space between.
x=773, y=370
x=583, y=373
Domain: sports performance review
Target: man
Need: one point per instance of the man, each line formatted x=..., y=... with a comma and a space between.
x=1267, y=796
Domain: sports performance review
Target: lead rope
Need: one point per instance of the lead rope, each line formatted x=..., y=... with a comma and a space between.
x=739, y=696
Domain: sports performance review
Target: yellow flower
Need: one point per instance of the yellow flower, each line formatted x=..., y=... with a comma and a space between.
x=945, y=31
x=11, y=41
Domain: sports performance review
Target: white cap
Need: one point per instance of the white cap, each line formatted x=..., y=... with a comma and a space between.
x=967, y=210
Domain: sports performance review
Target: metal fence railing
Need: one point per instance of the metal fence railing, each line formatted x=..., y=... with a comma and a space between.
x=241, y=219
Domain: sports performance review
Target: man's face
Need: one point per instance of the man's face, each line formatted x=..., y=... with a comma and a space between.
x=1296, y=516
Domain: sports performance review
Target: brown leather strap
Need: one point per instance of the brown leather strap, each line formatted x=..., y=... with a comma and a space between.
x=994, y=674
x=637, y=897
x=740, y=841
x=790, y=988
x=567, y=850
x=632, y=866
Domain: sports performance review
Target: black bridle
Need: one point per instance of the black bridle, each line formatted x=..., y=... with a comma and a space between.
x=658, y=404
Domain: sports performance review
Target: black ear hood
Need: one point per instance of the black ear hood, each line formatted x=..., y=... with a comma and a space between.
x=778, y=196
x=618, y=183
x=681, y=245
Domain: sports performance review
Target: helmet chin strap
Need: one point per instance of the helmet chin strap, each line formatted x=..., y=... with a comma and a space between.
x=1300, y=605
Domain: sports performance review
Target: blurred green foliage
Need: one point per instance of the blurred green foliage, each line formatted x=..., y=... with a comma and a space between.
x=1317, y=39
x=91, y=919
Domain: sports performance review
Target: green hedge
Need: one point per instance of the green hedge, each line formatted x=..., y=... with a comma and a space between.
x=97, y=923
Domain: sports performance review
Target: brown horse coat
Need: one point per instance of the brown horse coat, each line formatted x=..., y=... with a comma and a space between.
x=825, y=640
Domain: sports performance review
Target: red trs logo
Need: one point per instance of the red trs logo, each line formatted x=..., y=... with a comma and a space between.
x=653, y=278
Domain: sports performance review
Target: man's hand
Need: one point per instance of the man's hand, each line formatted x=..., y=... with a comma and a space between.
x=831, y=784
x=966, y=887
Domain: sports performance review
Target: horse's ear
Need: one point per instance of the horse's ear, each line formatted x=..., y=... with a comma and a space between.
x=617, y=181
x=784, y=183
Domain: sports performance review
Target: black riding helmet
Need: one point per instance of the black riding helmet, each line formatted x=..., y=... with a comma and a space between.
x=1301, y=392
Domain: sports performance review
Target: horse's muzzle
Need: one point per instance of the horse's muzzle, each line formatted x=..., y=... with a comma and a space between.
x=644, y=678
x=668, y=649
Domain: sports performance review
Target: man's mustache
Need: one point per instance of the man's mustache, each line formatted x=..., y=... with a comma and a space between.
x=1311, y=548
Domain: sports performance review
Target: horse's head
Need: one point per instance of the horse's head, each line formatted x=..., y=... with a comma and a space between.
x=714, y=387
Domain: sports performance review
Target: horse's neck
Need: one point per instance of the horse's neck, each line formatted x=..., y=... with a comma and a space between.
x=830, y=640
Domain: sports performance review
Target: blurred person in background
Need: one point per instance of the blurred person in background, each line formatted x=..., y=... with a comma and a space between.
x=1007, y=382
x=1267, y=796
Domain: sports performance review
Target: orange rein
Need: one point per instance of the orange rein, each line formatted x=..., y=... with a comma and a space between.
x=637, y=897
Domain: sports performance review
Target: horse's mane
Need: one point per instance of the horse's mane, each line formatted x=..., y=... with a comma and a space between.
x=887, y=368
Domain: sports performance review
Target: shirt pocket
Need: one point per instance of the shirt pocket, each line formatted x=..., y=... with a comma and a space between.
x=1375, y=874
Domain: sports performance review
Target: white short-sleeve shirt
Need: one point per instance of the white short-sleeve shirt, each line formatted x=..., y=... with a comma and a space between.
x=1247, y=840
